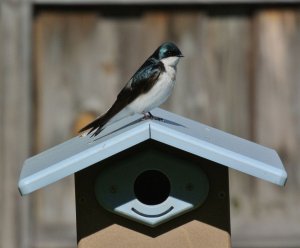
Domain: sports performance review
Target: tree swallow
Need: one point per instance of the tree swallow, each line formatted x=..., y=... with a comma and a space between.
x=148, y=88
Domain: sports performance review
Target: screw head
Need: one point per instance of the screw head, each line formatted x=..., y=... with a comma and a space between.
x=189, y=187
x=113, y=189
x=221, y=195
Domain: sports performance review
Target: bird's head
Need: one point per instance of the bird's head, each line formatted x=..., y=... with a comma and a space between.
x=166, y=50
x=168, y=53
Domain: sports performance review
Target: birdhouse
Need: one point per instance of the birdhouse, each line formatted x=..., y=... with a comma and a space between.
x=152, y=183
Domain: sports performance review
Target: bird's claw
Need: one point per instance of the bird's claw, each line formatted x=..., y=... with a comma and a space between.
x=149, y=116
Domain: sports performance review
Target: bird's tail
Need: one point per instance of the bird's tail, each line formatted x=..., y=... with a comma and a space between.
x=97, y=124
x=115, y=113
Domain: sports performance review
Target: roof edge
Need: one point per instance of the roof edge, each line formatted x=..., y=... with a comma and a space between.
x=225, y=157
x=83, y=159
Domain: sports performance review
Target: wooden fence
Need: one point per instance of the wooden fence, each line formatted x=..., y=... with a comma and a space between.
x=240, y=74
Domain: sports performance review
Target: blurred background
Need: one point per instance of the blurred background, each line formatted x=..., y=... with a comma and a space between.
x=62, y=65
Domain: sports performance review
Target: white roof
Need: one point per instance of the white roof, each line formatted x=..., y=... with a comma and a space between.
x=176, y=131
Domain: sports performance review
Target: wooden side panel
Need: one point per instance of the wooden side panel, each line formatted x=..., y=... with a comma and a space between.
x=194, y=234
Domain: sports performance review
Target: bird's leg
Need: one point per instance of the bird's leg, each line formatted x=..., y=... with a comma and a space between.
x=152, y=117
x=149, y=116
x=146, y=117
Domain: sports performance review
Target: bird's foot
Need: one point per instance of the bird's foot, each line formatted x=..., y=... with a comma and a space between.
x=149, y=116
x=146, y=116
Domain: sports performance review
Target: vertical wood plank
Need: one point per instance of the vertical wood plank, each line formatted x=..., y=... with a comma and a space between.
x=15, y=136
x=182, y=30
x=277, y=122
x=214, y=83
x=66, y=85
x=76, y=60
x=213, y=78
x=138, y=37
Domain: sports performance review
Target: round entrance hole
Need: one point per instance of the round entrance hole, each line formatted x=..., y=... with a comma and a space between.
x=152, y=187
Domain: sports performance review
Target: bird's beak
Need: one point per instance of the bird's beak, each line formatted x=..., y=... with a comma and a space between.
x=180, y=56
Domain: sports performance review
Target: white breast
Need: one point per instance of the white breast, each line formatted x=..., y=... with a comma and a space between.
x=160, y=91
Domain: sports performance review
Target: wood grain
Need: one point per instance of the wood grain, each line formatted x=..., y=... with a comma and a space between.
x=15, y=132
x=266, y=215
x=79, y=68
x=62, y=76
x=213, y=79
x=277, y=121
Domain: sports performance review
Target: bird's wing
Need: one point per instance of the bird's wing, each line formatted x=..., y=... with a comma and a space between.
x=141, y=82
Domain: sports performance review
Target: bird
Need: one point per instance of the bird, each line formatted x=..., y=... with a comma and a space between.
x=148, y=88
